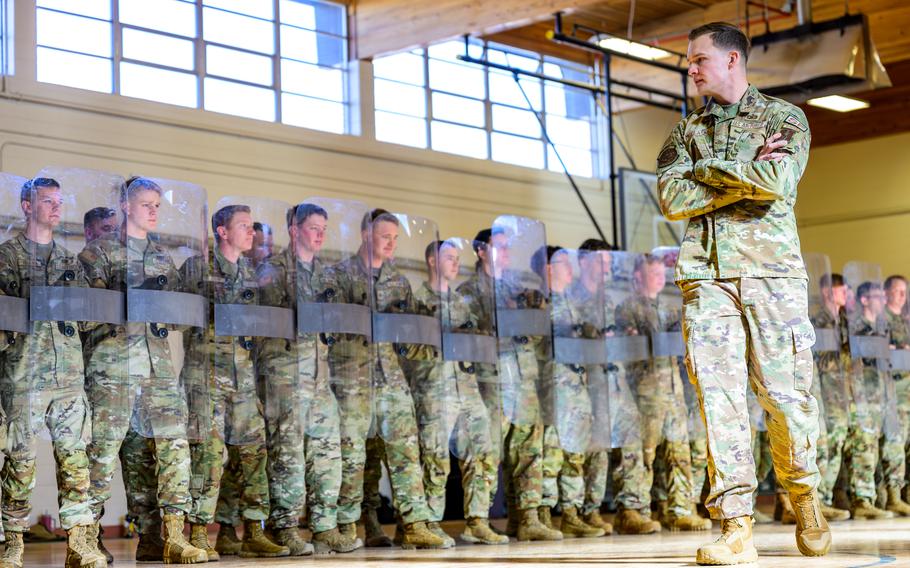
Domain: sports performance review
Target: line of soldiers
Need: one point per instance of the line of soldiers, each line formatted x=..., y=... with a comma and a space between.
x=263, y=380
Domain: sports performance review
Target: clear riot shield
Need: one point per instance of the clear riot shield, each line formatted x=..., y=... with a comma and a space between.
x=522, y=317
x=166, y=250
x=868, y=344
x=470, y=347
x=245, y=313
x=63, y=307
x=13, y=305
x=404, y=336
x=576, y=308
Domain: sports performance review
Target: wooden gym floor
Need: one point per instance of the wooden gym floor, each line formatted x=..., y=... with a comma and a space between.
x=861, y=544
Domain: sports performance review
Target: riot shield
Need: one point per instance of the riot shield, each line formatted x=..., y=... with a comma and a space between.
x=244, y=314
x=577, y=301
x=13, y=305
x=628, y=351
x=165, y=228
x=868, y=344
x=63, y=308
x=523, y=322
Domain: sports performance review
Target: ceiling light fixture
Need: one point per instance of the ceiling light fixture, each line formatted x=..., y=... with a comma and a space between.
x=838, y=103
x=632, y=48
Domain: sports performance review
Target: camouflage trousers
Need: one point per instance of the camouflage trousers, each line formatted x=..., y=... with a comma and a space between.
x=459, y=419
x=64, y=412
x=596, y=473
x=861, y=451
x=323, y=460
x=395, y=443
x=286, y=403
x=563, y=473
x=227, y=510
x=761, y=454
x=893, y=469
x=752, y=332
x=698, y=449
x=831, y=459
x=902, y=390
x=163, y=462
x=550, y=466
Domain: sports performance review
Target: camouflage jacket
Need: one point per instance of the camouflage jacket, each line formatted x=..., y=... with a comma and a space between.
x=900, y=337
x=114, y=264
x=428, y=302
x=740, y=211
x=645, y=317
x=47, y=357
x=477, y=295
x=860, y=326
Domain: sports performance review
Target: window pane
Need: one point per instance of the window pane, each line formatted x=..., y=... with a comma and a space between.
x=576, y=133
x=157, y=48
x=507, y=119
x=238, y=65
x=566, y=101
x=458, y=109
x=305, y=79
x=579, y=162
x=314, y=15
x=74, y=70
x=399, y=129
x=405, y=67
x=239, y=31
x=312, y=113
x=456, y=78
x=450, y=50
x=503, y=89
x=311, y=47
x=162, y=15
x=93, y=8
x=514, y=60
x=74, y=33
x=160, y=85
x=239, y=100
x=403, y=99
x=456, y=139
x=517, y=150
x=257, y=8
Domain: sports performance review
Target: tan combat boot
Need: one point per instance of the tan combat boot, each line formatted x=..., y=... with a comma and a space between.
x=289, y=537
x=436, y=529
x=177, y=550
x=417, y=535
x=761, y=518
x=813, y=537
x=348, y=530
x=15, y=547
x=734, y=546
x=783, y=510
x=81, y=549
x=227, y=543
x=256, y=545
x=661, y=512
x=863, y=509
x=594, y=519
x=530, y=527
x=691, y=522
x=545, y=516
x=478, y=531
x=151, y=545
x=573, y=525
x=630, y=521
x=333, y=540
x=199, y=537
x=96, y=535
x=897, y=505
x=834, y=514
x=373, y=535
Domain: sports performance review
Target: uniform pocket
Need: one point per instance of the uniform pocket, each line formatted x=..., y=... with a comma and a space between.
x=803, y=335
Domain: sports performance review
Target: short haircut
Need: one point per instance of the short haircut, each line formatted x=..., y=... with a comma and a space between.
x=263, y=228
x=894, y=279
x=300, y=213
x=830, y=280
x=434, y=248
x=222, y=217
x=97, y=214
x=483, y=237
x=541, y=257
x=596, y=245
x=647, y=259
x=134, y=185
x=867, y=288
x=725, y=36
x=376, y=216
x=31, y=187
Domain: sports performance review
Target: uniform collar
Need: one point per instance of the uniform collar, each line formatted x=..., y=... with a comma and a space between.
x=744, y=105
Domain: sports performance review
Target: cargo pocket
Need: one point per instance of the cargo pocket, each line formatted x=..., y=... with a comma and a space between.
x=803, y=335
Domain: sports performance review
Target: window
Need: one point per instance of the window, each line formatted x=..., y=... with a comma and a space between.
x=279, y=61
x=430, y=99
x=6, y=46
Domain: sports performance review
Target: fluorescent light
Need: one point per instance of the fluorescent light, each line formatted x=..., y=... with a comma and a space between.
x=838, y=103
x=635, y=49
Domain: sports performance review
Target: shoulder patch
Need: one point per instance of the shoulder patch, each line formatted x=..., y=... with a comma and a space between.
x=795, y=122
x=667, y=156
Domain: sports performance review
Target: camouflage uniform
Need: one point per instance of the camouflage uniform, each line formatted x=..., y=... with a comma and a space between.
x=449, y=406
x=41, y=385
x=224, y=405
x=744, y=288
x=227, y=511
x=894, y=446
x=302, y=419
x=114, y=264
x=662, y=406
x=392, y=411
x=698, y=440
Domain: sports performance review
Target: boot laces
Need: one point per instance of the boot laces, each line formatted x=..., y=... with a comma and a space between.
x=806, y=509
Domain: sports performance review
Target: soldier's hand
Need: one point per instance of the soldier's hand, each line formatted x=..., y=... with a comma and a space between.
x=768, y=152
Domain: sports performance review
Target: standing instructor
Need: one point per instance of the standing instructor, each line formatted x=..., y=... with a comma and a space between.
x=731, y=169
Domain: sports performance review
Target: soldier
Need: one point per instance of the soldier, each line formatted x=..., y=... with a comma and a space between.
x=226, y=403
x=302, y=416
x=131, y=259
x=369, y=278
x=42, y=383
x=99, y=222
x=263, y=244
x=731, y=169
x=449, y=405
x=659, y=395
x=893, y=448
